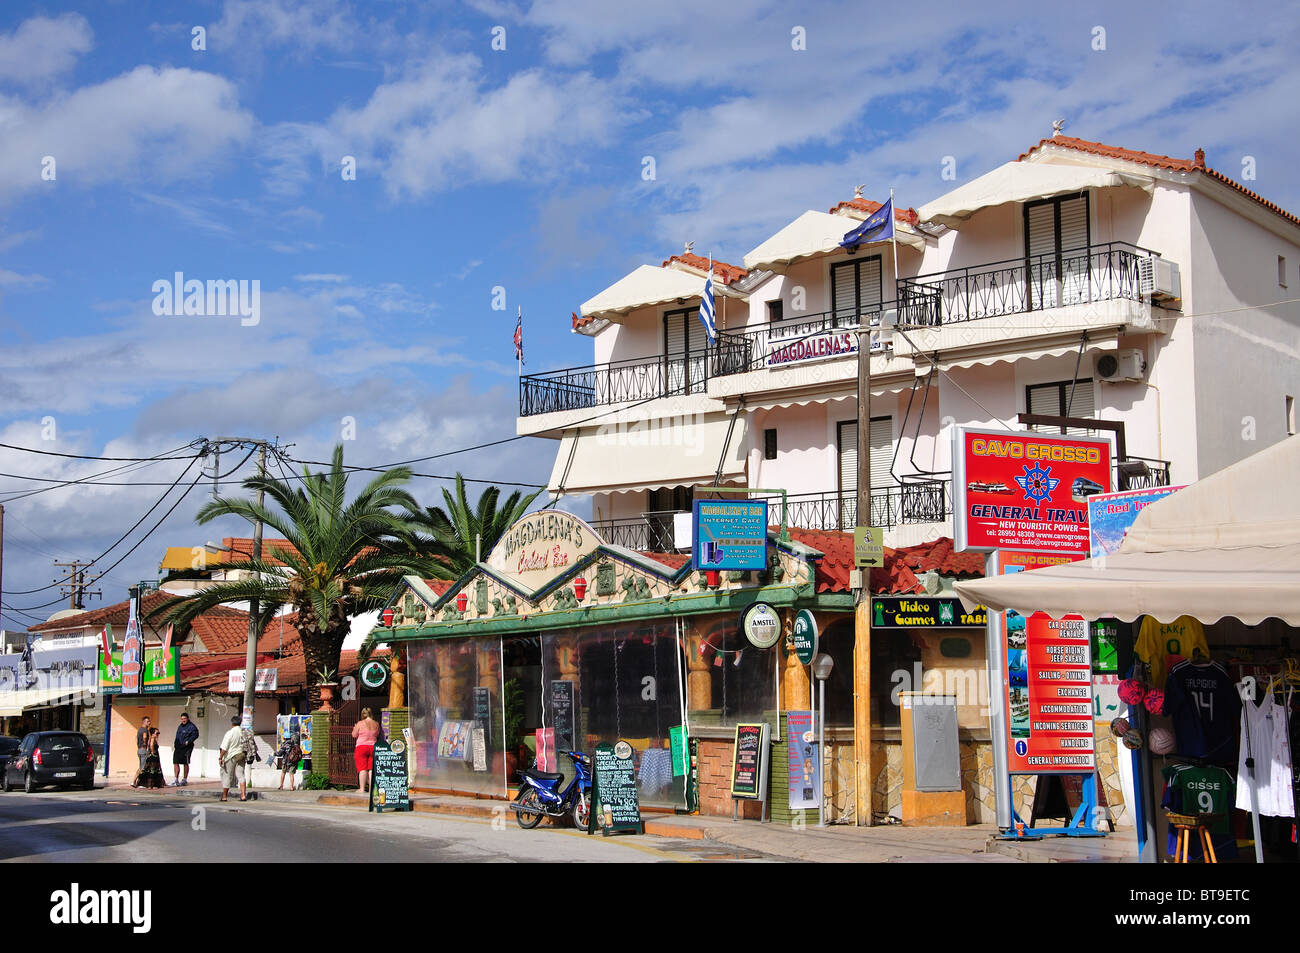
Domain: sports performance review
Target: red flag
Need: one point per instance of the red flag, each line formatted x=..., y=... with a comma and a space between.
x=519, y=337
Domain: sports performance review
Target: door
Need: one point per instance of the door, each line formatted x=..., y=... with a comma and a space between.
x=882, y=478
x=1057, y=240
x=856, y=292
x=123, y=762
x=685, y=345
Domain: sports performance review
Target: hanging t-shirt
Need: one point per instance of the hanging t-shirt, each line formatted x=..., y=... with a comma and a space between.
x=1184, y=636
x=1265, y=737
x=1193, y=790
x=1206, y=710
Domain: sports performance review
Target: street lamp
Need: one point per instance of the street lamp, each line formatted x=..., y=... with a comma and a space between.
x=821, y=668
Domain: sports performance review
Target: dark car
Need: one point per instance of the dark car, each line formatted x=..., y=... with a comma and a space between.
x=64, y=758
x=8, y=748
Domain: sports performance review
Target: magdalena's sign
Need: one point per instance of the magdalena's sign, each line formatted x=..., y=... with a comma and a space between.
x=541, y=547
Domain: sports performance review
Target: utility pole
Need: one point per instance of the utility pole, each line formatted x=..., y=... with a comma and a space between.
x=76, y=582
x=2, y=553
x=862, y=759
x=254, y=606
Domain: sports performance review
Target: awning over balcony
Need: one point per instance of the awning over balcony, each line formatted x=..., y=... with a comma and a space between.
x=812, y=233
x=645, y=287
x=997, y=352
x=1021, y=182
x=624, y=457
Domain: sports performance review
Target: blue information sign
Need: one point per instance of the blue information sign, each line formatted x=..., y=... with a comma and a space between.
x=730, y=534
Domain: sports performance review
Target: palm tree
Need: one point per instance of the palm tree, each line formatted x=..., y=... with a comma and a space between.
x=342, y=558
x=453, y=531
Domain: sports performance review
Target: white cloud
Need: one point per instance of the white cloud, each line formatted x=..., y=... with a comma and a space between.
x=11, y=279
x=158, y=124
x=43, y=48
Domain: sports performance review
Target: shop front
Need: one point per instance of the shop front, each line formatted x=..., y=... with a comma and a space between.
x=154, y=692
x=560, y=640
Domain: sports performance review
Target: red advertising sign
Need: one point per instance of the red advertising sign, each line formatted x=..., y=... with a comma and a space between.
x=1026, y=491
x=1048, y=686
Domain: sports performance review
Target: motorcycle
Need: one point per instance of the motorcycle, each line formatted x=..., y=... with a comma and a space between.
x=539, y=795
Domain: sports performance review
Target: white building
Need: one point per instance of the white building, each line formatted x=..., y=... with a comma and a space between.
x=1143, y=290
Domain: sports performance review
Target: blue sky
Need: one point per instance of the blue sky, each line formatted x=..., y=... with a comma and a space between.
x=476, y=168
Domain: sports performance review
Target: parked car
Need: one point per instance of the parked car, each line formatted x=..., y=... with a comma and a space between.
x=64, y=758
x=8, y=748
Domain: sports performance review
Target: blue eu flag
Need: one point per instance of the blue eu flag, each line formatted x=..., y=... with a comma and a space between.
x=878, y=226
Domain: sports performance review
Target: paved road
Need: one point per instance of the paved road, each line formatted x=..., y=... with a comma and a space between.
x=95, y=827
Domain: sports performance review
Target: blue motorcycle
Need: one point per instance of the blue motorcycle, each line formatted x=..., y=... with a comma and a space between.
x=539, y=796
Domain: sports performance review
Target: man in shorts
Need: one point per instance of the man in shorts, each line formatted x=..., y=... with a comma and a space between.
x=232, y=761
x=182, y=747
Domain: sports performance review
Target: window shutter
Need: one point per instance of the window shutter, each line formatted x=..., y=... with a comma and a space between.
x=1074, y=223
x=869, y=285
x=1040, y=237
x=848, y=441
x=1082, y=406
x=676, y=334
x=844, y=288
x=882, y=452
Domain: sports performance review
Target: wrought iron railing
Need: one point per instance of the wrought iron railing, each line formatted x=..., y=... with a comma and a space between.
x=793, y=340
x=916, y=501
x=1141, y=473
x=1093, y=273
x=577, y=388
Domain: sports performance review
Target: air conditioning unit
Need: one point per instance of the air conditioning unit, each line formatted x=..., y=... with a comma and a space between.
x=1117, y=366
x=884, y=323
x=1158, y=279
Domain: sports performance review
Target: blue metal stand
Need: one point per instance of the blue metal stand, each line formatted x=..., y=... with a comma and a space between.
x=1079, y=825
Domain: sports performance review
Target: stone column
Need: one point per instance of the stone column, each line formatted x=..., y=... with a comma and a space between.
x=699, y=682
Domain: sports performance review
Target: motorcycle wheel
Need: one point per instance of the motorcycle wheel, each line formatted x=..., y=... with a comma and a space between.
x=581, y=811
x=528, y=821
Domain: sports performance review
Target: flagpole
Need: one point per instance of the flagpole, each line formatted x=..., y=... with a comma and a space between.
x=519, y=351
x=893, y=240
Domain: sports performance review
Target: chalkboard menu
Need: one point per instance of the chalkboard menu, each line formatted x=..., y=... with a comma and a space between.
x=562, y=714
x=749, y=762
x=613, y=792
x=388, y=791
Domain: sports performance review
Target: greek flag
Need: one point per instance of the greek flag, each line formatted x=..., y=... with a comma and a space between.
x=706, y=307
x=878, y=227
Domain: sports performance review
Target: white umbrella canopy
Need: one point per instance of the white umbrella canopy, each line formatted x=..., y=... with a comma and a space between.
x=1228, y=545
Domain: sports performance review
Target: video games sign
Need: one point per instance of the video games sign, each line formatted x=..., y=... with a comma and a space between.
x=1026, y=491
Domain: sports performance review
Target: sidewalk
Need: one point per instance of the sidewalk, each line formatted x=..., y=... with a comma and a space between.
x=833, y=844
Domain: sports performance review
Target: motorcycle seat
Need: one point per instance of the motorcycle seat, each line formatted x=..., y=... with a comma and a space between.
x=543, y=775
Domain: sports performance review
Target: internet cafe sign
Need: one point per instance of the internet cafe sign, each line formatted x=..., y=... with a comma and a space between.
x=541, y=547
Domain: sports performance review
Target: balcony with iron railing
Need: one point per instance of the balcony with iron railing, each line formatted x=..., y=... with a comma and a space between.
x=921, y=501
x=598, y=385
x=1095, y=273
x=804, y=338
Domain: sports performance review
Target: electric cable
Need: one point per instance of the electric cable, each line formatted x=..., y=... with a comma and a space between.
x=138, y=544
x=59, y=582
x=80, y=456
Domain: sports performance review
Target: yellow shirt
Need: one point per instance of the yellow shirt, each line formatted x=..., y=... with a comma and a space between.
x=1184, y=636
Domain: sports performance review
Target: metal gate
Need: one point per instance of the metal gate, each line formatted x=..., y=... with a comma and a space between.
x=342, y=765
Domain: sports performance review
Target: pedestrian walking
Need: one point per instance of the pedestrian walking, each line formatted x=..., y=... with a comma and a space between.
x=366, y=732
x=232, y=758
x=291, y=755
x=142, y=747
x=182, y=747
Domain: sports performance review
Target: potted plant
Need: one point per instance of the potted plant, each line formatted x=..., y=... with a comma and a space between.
x=327, y=685
x=511, y=734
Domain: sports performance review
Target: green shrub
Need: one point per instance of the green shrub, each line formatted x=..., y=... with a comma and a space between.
x=315, y=782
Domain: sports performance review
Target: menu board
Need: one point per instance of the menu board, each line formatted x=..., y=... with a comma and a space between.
x=613, y=792
x=804, y=756
x=388, y=790
x=562, y=714
x=483, y=712
x=1049, y=695
x=749, y=762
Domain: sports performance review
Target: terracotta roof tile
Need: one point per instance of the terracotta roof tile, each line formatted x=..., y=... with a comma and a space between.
x=1196, y=164
x=671, y=560
x=907, y=215
x=898, y=575
x=723, y=272
x=237, y=549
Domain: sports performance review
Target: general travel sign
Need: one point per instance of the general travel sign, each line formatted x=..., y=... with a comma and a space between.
x=1026, y=491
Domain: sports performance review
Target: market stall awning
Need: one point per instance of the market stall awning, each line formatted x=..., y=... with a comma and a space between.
x=648, y=455
x=1021, y=182
x=813, y=233
x=1228, y=545
x=647, y=286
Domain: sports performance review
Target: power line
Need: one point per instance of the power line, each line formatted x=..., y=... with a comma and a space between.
x=93, y=478
x=80, y=456
x=117, y=542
